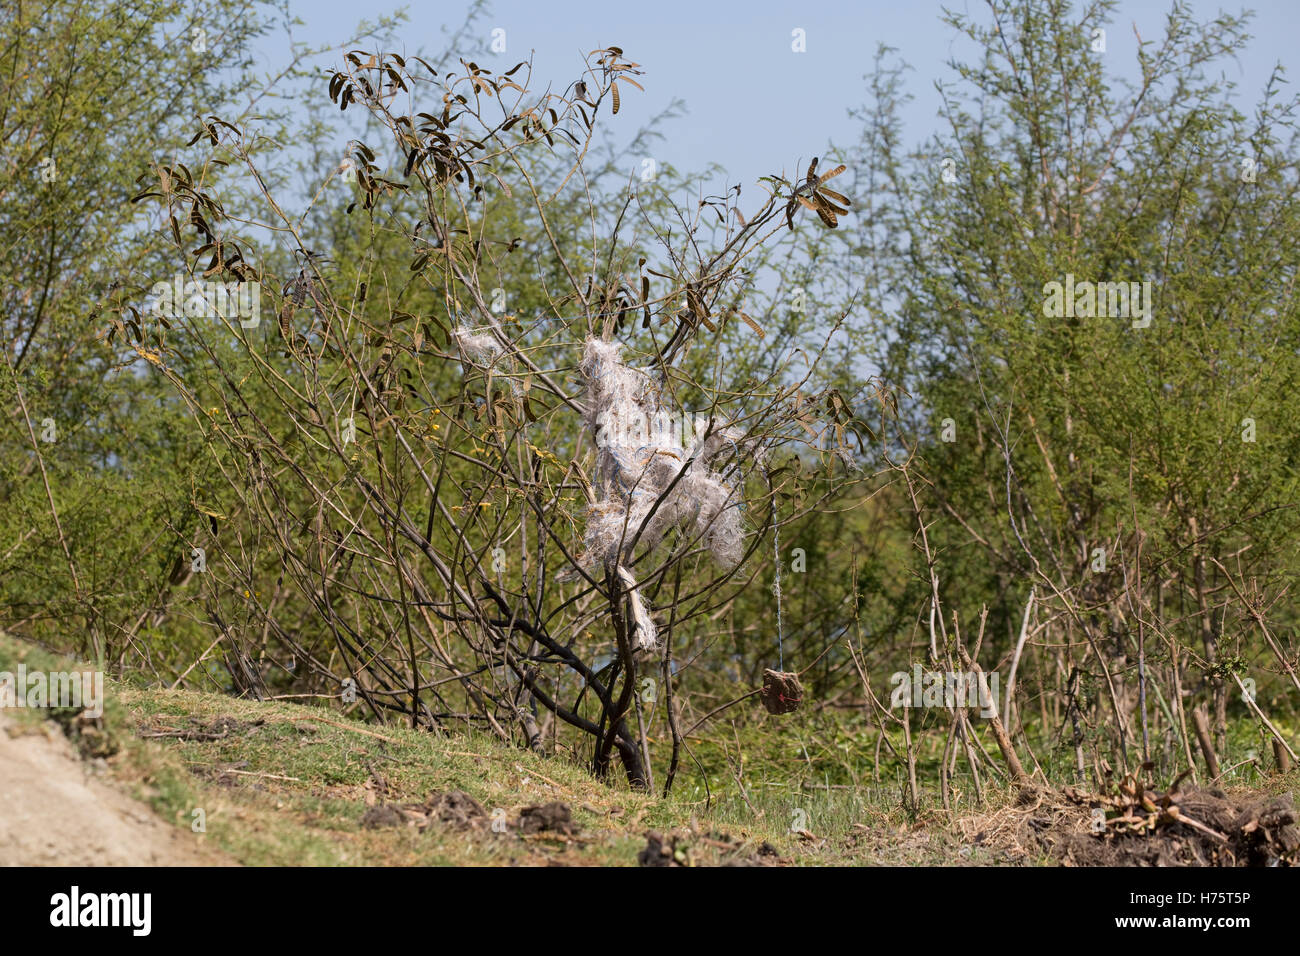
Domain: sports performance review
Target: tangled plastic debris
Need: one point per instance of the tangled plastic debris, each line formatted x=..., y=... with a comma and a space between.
x=648, y=475
x=479, y=348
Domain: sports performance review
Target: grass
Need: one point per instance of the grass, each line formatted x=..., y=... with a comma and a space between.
x=278, y=783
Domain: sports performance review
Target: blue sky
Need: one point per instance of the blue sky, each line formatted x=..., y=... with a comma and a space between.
x=733, y=65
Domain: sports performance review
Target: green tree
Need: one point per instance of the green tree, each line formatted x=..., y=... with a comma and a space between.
x=1136, y=467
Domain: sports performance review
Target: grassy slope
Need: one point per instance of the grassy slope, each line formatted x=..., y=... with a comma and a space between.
x=288, y=784
x=338, y=768
x=284, y=784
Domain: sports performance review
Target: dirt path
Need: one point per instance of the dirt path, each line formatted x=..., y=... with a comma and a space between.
x=55, y=812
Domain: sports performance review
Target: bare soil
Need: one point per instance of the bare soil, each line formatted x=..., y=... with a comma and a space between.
x=57, y=809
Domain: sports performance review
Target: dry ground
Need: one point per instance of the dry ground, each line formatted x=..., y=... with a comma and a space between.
x=57, y=810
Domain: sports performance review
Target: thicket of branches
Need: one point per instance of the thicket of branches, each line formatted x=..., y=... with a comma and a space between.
x=401, y=470
x=382, y=495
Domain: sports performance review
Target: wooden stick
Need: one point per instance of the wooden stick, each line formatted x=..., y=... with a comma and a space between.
x=342, y=726
x=1015, y=659
x=1249, y=698
x=254, y=773
x=1196, y=824
x=1201, y=725
x=1281, y=757
x=999, y=731
x=542, y=777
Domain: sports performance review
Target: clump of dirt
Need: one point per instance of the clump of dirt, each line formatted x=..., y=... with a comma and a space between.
x=382, y=815
x=457, y=810
x=736, y=852
x=661, y=852
x=554, y=817
x=454, y=809
x=1139, y=826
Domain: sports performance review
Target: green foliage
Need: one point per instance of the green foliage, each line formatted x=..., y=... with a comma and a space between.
x=1163, y=438
x=1032, y=440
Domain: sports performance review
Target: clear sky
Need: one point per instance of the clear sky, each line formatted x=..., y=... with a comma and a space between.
x=756, y=106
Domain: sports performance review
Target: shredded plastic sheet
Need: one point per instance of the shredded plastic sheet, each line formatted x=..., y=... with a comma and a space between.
x=641, y=456
x=480, y=348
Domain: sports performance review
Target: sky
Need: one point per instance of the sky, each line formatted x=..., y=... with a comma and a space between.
x=755, y=106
